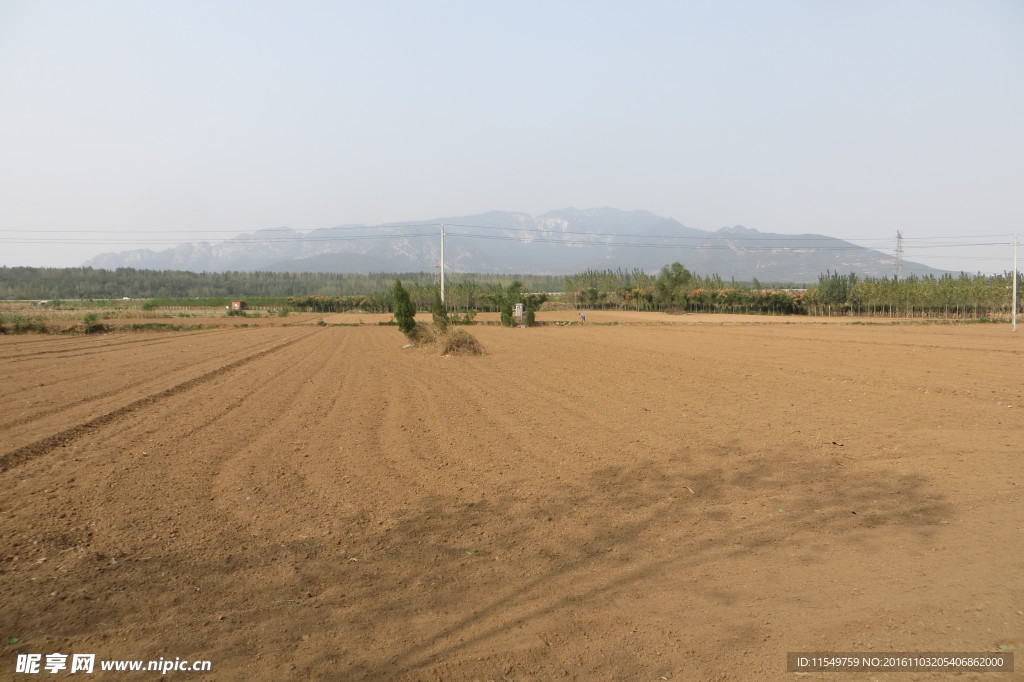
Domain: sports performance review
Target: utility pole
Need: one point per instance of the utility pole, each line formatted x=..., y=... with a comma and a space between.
x=442, y=262
x=899, y=254
x=1013, y=313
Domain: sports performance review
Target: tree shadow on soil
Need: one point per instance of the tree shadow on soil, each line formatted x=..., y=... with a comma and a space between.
x=594, y=543
x=470, y=572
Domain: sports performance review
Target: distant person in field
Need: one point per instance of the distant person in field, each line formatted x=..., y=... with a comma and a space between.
x=583, y=317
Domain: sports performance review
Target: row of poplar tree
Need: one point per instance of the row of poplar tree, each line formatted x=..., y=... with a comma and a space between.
x=674, y=288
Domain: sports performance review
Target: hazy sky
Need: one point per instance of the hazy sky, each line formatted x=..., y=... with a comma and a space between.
x=130, y=124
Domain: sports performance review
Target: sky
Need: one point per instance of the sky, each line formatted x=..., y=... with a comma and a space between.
x=127, y=124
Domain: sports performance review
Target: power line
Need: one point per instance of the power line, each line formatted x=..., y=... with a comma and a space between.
x=899, y=254
x=270, y=240
x=705, y=246
x=717, y=235
x=395, y=226
x=527, y=235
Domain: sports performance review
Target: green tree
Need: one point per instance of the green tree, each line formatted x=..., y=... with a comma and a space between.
x=506, y=313
x=531, y=302
x=404, y=310
x=440, y=312
x=512, y=295
x=671, y=280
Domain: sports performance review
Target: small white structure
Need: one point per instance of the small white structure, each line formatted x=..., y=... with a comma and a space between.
x=518, y=312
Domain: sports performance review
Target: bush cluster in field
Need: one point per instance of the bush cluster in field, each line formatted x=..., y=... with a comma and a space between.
x=21, y=324
x=90, y=324
x=440, y=333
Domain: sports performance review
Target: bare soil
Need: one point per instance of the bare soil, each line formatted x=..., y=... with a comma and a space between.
x=684, y=499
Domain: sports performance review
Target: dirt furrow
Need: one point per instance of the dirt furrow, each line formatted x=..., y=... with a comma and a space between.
x=43, y=397
x=679, y=502
x=98, y=344
x=42, y=445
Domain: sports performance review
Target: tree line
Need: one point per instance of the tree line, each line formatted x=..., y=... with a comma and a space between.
x=673, y=288
x=29, y=283
x=950, y=296
x=676, y=289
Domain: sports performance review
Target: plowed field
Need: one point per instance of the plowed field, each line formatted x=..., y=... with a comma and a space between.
x=635, y=502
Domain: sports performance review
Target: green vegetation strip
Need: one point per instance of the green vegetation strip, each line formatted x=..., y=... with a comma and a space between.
x=673, y=289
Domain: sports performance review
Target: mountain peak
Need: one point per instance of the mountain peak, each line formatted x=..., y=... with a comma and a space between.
x=738, y=230
x=563, y=241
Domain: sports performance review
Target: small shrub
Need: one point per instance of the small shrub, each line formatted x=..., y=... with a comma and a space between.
x=460, y=342
x=440, y=313
x=92, y=324
x=25, y=325
x=465, y=318
x=422, y=334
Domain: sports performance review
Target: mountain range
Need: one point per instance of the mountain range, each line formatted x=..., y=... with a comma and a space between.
x=558, y=242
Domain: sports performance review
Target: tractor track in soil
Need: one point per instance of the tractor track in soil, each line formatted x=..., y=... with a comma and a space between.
x=98, y=344
x=62, y=437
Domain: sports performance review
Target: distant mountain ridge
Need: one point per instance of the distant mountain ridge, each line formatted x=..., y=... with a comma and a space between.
x=558, y=242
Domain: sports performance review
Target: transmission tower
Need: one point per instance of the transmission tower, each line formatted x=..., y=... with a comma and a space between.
x=899, y=254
